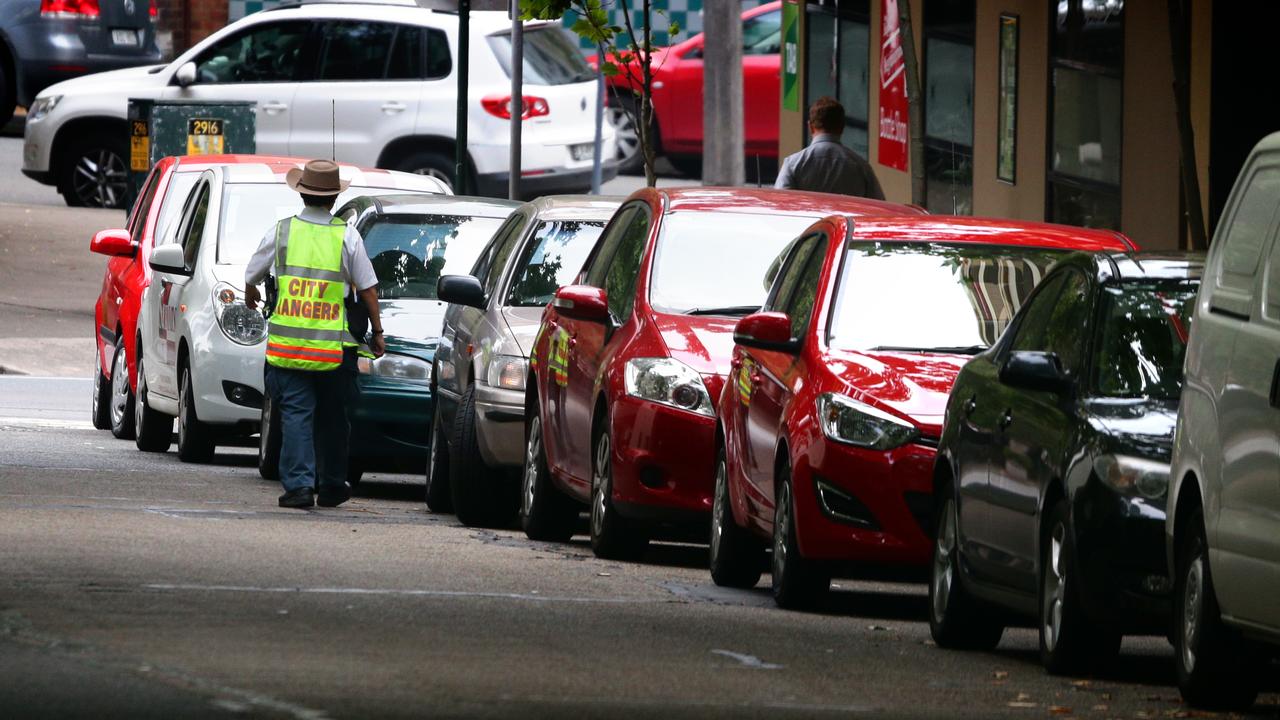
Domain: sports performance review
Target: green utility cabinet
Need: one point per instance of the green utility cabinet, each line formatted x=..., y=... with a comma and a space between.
x=159, y=128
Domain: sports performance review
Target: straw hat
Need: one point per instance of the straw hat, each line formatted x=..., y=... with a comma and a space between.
x=318, y=177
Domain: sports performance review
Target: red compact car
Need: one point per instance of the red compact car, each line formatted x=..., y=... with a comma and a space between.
x=677, y=95
x=627, y=360
x=830, y=420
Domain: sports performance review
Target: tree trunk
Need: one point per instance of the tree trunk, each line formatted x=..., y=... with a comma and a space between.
x=1180, y=49
x=646, y=96
x=723, y=154
x=915, y=116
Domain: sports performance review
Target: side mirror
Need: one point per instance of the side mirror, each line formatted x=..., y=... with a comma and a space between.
x=460, y=290
x=186, y=74
x=170, y=259
x=112, y=242
x=766, y=331
x=582, y=302
x=1036, y=371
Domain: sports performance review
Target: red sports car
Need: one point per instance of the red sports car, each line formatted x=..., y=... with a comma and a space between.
x=830, y=420
x=677, y=96
x=627, y=360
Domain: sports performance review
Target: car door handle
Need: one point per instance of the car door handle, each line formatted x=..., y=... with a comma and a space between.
x=391, y=108
x=120, y=300
x=970, y=405
x=1006, y=420
x=273, y=108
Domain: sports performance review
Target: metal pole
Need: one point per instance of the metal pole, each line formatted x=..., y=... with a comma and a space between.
x=599, y=140
x=517, y=99
x=460, y=170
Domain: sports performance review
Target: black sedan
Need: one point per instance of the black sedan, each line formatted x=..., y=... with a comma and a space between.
x=1054, y=463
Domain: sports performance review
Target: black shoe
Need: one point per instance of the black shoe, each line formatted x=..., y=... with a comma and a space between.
x=300, y=498
x=334, y=498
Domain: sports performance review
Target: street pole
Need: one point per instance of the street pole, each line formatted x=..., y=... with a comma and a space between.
x=460, y=170
x=722, y=133
x=517, y=99
x=599, y=140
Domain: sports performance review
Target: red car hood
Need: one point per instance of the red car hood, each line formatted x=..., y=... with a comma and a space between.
x=914, y=385
x=703, y=342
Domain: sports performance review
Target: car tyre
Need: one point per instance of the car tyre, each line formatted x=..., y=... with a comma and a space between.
x=121, y=395
x=737, y=556
x=101, y=408
x=1217, y=669
x=623, y=113
x=195, y=441
x=431, y=163
x=613, y=537
x=1070, y=642
x=545, y=512
x=269, y=440
x=798, y=584
x=153, y=430
x=482, y=496
x=956, y=619
x=439, y=484
x=94, y=171
x=8, y=101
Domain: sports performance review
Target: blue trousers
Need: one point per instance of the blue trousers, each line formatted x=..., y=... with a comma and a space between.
x=313, y=423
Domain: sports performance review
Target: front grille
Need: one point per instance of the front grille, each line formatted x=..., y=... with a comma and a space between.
x=928, y=441
x=843, y=506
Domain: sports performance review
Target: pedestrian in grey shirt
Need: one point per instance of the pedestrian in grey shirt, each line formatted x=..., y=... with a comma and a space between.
x=827, y=165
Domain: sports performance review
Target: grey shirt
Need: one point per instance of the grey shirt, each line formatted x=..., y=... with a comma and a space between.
x=827, y=166
x=355, y=262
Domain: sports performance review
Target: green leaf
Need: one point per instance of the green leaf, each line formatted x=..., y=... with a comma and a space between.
x=675, y=28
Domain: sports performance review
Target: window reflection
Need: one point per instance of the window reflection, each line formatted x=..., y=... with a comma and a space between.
x=410, y=252
x=1143, y=340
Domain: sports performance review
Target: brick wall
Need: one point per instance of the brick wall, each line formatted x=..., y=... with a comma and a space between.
x=183, y=23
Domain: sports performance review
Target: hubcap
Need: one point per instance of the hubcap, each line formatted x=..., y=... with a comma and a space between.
x=119, y=389
x=944, y=562
x=1192, y=612
x=781, y=528
x=628, y=138
x=1055, y=585
x=100, y=178
x=531, y=453
x=600, y=486
x=717, y=509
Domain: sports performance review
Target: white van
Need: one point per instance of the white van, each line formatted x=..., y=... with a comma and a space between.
x=1223, y=528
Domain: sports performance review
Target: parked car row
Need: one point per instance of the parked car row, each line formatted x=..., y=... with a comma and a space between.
x=824, y=386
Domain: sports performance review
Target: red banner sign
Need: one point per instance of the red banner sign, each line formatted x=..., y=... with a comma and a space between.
x=893, y=90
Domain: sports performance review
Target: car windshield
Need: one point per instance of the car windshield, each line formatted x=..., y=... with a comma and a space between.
x=550, y=57
x=715, y=262
x=249, y=210
x=410, y=252
x=1143, y=339
x=551, y=259
x=931, y=297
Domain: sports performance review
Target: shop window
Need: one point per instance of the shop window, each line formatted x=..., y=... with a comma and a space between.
x=948, y=105
x=837, y=64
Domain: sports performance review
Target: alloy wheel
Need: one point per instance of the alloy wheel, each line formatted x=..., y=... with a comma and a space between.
x=944, y=562
x=600, y=486
x=533, y=449
x=119, y=389
x=264, y=432
x=625, y=132
x=717, y=508
x=782, y=528
x=436, y=173
x=100, y=178
x=1055, y=586
x=1193, y=612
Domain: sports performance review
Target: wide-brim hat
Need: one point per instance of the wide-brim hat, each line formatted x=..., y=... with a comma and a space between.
x=317, y=177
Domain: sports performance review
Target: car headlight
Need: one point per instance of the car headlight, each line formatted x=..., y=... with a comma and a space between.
x=42, y=107
x=396, y=366
x=846, y=420
x=1133, y=475
x=507, y=372
x=668, y=382
x=239, y=322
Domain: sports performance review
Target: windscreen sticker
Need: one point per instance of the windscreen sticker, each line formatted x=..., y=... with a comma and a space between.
x=558, y=358
x=744, y=382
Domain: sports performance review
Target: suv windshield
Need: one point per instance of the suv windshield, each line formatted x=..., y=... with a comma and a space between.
x=550, y=57
x=551, y=259
x=410, y=252
x=1142, y=339
x=709, y=261
x=931, y=297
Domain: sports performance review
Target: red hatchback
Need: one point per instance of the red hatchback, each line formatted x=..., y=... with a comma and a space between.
x=830, y=421
x=628, y=359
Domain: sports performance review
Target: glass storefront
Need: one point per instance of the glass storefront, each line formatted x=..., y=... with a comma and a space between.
x=948, y=105
x=838, y=36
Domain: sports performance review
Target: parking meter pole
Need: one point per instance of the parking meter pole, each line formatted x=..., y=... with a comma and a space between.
x=517, y=99
x=599, y=139
x=464, y=62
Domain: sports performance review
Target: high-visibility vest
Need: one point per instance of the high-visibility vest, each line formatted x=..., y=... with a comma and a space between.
x=308, y=327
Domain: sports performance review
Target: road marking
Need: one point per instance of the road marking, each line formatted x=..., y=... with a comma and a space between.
x=750, y=661
x=47, y=423
x=394, y=592
x=196, y=513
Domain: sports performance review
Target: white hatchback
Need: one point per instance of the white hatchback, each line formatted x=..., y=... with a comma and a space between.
x=371, y=83
x=202, y=352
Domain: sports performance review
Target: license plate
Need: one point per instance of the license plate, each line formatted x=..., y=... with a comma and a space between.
x=128, y=38
x=583, y=151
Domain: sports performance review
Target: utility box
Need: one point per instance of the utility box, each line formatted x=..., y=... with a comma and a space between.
x=159, y=128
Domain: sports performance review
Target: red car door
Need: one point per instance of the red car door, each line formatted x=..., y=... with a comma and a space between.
x=761, y=82
x=681, y=130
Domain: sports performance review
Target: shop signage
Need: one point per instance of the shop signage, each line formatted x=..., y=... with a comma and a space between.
x=791, y=55
x=893, y=90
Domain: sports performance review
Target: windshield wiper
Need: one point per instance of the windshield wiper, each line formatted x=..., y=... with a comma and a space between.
x=950, y=350
x=727, y=310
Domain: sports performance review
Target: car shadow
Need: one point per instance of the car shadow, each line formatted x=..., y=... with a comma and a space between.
x=375, y=490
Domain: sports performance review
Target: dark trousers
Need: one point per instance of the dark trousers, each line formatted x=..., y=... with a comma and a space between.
x=313, y=423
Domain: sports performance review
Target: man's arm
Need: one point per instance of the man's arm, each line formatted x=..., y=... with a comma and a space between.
x=360, y=274
x=369, y=296
x=259, y=265
x=784, y=174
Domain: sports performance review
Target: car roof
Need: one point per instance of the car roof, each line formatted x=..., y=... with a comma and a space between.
x=576, y=207
x=1155, y=265
x=272, y=169
x=992, y=231
x=441, y=205
x=768, y=201
x=484, y=21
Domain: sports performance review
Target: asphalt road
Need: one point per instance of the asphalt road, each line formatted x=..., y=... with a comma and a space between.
x=132, y=585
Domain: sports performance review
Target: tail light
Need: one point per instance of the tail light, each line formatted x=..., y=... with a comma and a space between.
x=70, y=8
x=151, y=10
x=500, y=106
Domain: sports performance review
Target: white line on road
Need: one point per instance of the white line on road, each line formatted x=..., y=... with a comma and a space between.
x=750, y=661
x=47, y=423
x=393, y=592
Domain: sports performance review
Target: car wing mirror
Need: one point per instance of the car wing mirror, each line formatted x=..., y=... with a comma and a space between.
x=116, y=242
x=582, y=302
x=460, y=290
x=766, y=331
x=186, y=75
x=170, y=259
x=1035, y=371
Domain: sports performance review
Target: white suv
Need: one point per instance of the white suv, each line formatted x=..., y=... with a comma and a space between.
x=1223, y=519
x=371, y=82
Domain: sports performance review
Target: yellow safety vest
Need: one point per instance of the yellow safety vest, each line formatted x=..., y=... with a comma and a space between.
x=308, y=327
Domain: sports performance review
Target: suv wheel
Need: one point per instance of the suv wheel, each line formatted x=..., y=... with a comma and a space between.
x=737, y=556
x=956, y=619
x=94, y=172
x=431, y=163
